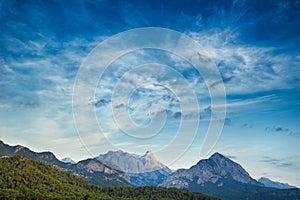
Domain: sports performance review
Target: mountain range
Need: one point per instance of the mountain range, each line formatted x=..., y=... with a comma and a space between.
x=92, y=170
x=216, y=176
x=23, y=178
x=221, y=177
x=215, y=170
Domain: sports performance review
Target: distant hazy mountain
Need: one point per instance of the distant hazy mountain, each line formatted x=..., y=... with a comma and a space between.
x=274, y=184
x=68, y=160
x=102, y=174
x=221, y=177
x=142, y=170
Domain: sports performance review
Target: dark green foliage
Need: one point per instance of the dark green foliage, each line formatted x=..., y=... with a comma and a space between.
x=28, y=179
x=153, y=193
x=22, y=178
x=96, y=178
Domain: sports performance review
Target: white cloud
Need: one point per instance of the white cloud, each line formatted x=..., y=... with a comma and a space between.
x=254, y=68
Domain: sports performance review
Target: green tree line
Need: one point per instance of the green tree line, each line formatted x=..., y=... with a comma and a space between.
x=22, y=178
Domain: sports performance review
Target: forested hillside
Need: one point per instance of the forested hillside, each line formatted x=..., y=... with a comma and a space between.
x=22, y=178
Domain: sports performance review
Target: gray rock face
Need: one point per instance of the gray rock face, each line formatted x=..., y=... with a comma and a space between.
x=142, y=170
x=214, y=170
x=133, y=163
x=274, y=184
x=94, y=166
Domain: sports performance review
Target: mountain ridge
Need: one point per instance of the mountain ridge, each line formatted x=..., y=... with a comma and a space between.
x=132, y=163
x=221, y=177
x=216, y=176
x=23, y=178
x=141, y=169
x=275, y=184
x=108, y=176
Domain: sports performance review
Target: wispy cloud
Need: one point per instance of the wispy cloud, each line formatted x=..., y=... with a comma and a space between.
x=244, y=66
x=280, y=163
x=231, y=157
x=284, y=130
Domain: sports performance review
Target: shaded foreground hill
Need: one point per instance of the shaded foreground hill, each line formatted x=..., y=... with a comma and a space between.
x=92, y=170
x=22, y=178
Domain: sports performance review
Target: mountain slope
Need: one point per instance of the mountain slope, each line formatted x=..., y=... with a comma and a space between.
x=274, y=184
x=107, y=177
x=132, y=163
x=221, y=177
x=22, y=178
x=216, y=170
x=48, y=157
x=142, y=170
x=98, y=173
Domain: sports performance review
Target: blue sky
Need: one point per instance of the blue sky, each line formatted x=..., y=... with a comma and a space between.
x=253, y=44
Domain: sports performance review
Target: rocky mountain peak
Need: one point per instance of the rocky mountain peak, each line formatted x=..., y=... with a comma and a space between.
x=217, y=170
x=217, y=156
x=224, y=162
x=150, y=157
x=132, y=163
x=118, y=152
x=226, y=168
x=149, y=154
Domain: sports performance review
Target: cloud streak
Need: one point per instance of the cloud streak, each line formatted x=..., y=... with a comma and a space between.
x=276, y=162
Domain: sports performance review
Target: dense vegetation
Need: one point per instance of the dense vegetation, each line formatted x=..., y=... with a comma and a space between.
x=22, y=178
x=93, y=177
x=152, y=193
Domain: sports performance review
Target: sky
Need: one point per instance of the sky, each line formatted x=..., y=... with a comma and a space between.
x=183, y=80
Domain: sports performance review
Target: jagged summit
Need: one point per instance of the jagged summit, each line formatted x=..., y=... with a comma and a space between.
x=222, y=160
x=217, y=155
x=118, y=151
x=148, y=153
x=133, y=163
x=142, y=169
x=217, y=169
x=150, y=156
x=217, y=158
